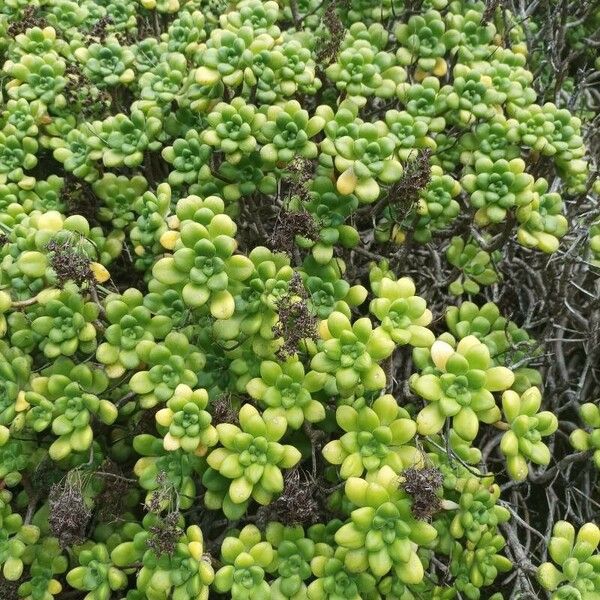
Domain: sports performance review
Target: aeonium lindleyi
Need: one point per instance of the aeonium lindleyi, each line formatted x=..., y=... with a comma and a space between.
x=460, y=385
x=523, y=441
x=374, y=436
x=350, y=352
x=187, y=423
x=252, y=458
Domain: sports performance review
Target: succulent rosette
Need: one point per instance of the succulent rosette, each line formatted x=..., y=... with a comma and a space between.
x=183, y=572
x=169, y=363
x=203, y=261
x=584, y=439
x=375, y=436
x=404, y=316
x=424, y=40
x=381, y=534
x=252, y=457
x=575, y=552
x=288, y=131
x=475, y=264
x=364, y=158
x=188, y=423
x=527, y=427
x=246, y=557
x=63, y=323
x=286, y=390
x=121, y=140
x=350, y=351
x=233, y=128
x=460, y=386
x=496, y=187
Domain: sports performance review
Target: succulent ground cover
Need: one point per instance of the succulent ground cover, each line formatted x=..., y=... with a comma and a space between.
x=299, y=300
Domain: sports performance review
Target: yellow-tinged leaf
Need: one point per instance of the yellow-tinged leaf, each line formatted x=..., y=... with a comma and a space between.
x=164, y=416
x=173, y=222
x=168, y=239
x=441, y=67
x=21, y=404
x=346, y=182
x=206, y=76
x=196, y=550
x=54, y=587
x=100, y=272
x=114, y=371
x=440, y=353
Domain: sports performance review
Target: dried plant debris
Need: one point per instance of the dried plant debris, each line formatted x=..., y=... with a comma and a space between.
x=68, y=263
x=70, y=512
x=165, y=534
x=423, y=485
x=296, y=321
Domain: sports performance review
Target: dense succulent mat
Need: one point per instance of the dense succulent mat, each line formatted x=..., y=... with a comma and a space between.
x=299, y=300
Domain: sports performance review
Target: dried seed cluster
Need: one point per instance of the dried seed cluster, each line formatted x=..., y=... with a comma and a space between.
x=423, y=486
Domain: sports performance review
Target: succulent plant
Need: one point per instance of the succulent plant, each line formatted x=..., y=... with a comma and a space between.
x=233, y=128
x=119, y=195
x=350, y=352
x=437, y=206
x=107, y=64
x=287, y=133
x=187, y=422
x=16, y=371
x=228, y=362
x=425, y=40
x=189, y=158
x=363, y=69
x=478, y=513
x=286, y=390
x=584, y=440
x=15, y=539
x=294, y=552
x=330, y=211
x=527, y=426
x=165, y=474
x=17, y=154
x=204, y=258
x=95, y=574
x=131, y=323
x=575, y=554
x=425, y=102
x=170, y=363
x=460, y=386
x=472, y=96
x=74, y=153
x=375, y=436
x=476, y=266
x=121, y=140
x=383, y=516
x=228, y=56
x=365, y=157
x=508, y=343
x=183, y=571
x=335, y=580
x=38, y=78
x=164, y=83
x=252, y=458
x=246, y=557
x=542, y=222
x=476, y=567
x=497, y=187
x=63, y=323
x=404, y=316
x=67, y=398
